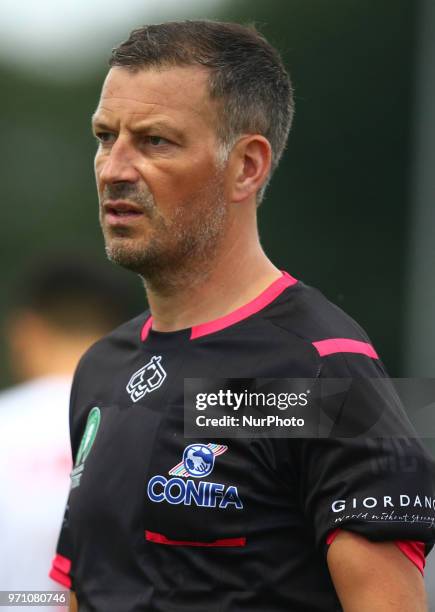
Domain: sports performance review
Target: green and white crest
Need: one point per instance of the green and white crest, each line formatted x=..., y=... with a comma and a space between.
x=88, y=438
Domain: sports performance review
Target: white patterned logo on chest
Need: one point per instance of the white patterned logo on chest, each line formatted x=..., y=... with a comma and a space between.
x=150, y=377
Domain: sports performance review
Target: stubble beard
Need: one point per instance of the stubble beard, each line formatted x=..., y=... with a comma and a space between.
x=177, y=252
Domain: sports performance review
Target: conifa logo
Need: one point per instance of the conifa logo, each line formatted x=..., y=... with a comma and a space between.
x=150, y=377
x=198, y=461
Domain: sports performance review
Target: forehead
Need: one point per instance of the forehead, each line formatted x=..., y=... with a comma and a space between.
x=179, y=91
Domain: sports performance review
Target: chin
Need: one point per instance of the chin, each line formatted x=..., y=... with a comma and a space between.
x=126, y=253
x=136, y=255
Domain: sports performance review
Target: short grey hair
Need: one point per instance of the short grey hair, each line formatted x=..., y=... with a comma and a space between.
x=247, y=77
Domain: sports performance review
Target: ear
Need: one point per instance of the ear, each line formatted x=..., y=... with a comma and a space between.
x=251, y=161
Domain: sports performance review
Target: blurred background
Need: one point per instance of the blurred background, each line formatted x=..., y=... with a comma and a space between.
x=350, y=210
x=351, y=207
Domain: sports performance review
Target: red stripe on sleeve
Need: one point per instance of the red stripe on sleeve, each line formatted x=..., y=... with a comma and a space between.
x=63, y=564
x=331, y=536
x=60, y=569
x=412, y=549
x=59, y=577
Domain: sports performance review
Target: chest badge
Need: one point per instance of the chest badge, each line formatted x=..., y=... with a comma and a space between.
x=88, y=438
x=198, y=460
x=150, y=377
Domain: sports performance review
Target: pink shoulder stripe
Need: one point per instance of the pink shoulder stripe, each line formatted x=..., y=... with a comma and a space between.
x=257, y=304
x=344, y=345
x=414, y=550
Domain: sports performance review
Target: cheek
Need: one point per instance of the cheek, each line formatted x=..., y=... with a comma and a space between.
x=187, y=182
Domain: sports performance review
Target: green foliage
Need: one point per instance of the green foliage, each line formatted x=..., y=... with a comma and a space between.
x=337, y=212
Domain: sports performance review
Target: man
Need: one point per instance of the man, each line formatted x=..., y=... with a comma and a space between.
x=62, y=308
x=192, y=121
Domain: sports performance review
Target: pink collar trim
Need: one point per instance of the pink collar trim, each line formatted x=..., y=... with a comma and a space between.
x=252, y=307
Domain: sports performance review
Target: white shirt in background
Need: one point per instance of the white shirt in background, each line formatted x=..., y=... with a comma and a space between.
x=35, y=462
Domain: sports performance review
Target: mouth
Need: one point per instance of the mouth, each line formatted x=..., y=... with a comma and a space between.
x=117, y=211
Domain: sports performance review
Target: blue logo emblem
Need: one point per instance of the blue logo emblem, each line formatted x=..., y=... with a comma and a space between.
x=198, y=460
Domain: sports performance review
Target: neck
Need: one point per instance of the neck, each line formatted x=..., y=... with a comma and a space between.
x=236, y=276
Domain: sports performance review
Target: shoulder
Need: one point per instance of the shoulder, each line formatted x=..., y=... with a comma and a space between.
x=104, y=359
x=341, y=345
x=305, y=311
x=98, y=370
x=111, y=347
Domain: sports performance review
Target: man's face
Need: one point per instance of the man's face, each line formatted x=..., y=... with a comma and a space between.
x=161, y=190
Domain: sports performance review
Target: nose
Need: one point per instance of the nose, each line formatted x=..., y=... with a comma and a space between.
x=117, y=165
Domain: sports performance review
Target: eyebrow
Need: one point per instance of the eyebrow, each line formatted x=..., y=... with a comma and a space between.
x=140, y=128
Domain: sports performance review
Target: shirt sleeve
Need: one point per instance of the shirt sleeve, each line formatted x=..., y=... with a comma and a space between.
x=370, y=474
x=62, y=568
x=415, y=551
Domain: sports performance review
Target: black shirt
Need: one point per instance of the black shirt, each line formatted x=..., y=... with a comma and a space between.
x=144, y=531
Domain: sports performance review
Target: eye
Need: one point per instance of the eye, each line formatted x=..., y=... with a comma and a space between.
x=156, y=141
x=104, y=137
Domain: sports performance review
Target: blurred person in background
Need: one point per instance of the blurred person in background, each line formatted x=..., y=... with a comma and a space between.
x=62, y=308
